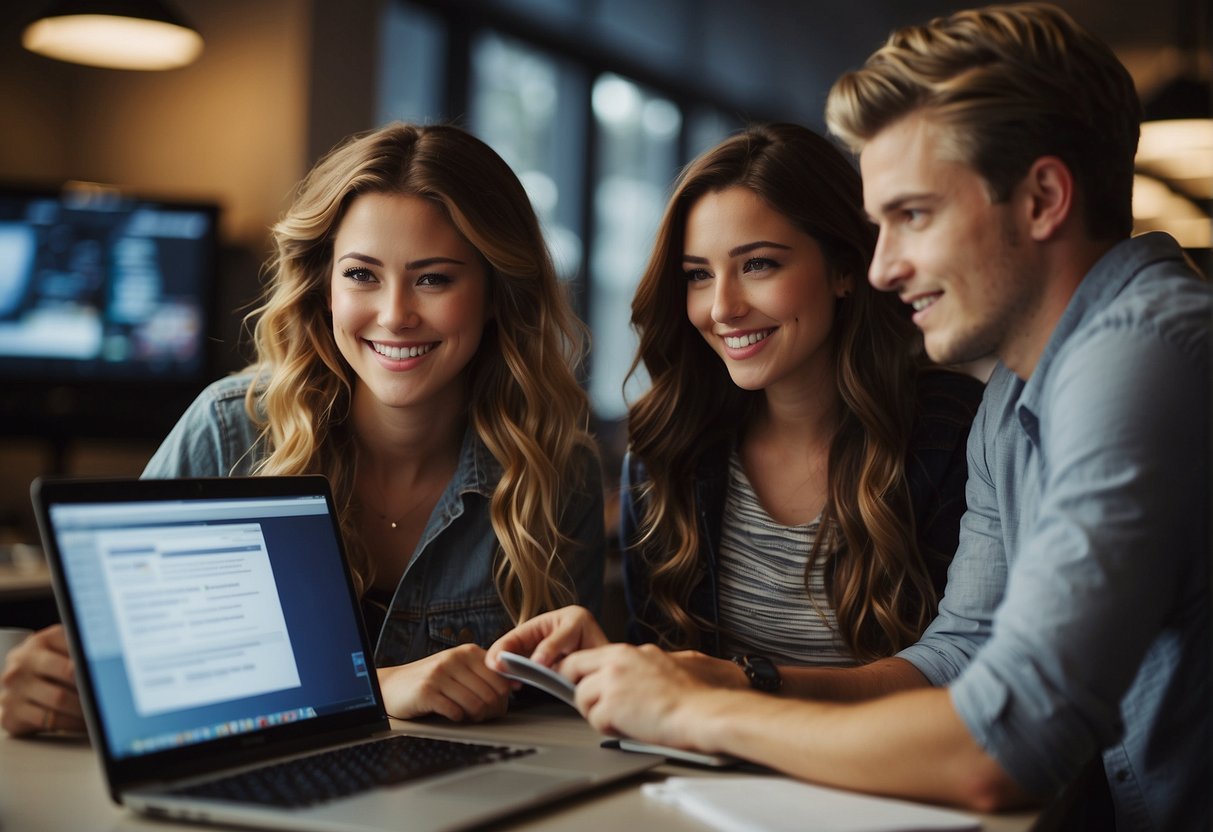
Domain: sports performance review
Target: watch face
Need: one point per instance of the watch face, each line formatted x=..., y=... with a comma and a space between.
x=761, y=671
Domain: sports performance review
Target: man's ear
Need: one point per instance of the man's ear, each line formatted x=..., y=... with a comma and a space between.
x=1049, y=189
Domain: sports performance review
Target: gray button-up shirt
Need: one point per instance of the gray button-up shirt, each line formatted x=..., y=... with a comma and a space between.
x=1076, y=616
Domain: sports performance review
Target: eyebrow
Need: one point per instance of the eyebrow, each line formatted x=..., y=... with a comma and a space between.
x=411, y=265
x=738, y=250
x=897, y=202
x=365, y=258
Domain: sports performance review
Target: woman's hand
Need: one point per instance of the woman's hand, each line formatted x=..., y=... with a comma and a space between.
x=455, y=683
x=550, y=637
x=39, y=686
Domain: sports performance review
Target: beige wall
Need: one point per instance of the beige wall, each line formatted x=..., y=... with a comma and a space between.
x=230, y=127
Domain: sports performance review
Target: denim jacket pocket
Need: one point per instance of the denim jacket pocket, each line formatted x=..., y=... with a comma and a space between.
x=477, y=621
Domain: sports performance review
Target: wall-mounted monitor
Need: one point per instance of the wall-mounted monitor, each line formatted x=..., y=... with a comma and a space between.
x=106, y=304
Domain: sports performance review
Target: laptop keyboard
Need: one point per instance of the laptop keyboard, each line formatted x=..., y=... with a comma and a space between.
x=349, y=770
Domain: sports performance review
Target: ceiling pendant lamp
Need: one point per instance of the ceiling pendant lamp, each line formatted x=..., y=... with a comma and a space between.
x=1173, y=188
x=118, y=34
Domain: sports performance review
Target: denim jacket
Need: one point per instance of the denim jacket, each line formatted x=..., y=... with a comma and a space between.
x=935, y=469
x=447, y=595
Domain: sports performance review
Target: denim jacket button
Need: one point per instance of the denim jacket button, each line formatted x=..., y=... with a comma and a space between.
x=466, y=635
x=448, y=632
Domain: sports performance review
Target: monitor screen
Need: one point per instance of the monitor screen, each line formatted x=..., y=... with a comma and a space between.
x=197, y=618
x=106, y=301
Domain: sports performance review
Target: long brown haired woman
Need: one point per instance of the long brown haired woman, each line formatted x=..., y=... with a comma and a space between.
x=795, y=480
x=796, y=470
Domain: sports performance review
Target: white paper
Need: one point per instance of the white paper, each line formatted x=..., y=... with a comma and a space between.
x=199, y=615
x=532, y=673
x=779, y=804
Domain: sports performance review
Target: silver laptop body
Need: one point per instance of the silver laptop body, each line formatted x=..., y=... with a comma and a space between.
x=215, y=629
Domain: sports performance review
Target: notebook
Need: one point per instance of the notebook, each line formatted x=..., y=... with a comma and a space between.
x=214, y=629
x=779, y=804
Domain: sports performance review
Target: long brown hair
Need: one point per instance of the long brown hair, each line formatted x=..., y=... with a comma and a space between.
x=524, y=400
x=878, y=581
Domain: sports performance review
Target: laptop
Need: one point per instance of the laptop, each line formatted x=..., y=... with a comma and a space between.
x=215, y=631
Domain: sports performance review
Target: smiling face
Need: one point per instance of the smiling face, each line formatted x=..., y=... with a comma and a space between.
x=409, y=299
x=959, y=259
x=759, y=291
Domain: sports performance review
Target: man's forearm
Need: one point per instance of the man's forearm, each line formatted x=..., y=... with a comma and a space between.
x=851, y=684
x=912, y=744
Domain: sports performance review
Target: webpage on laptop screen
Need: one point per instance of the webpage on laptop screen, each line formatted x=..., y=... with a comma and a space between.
x=204, y=619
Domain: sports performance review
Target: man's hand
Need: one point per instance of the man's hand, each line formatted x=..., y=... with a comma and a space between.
x=638, y=692
x=719, y=673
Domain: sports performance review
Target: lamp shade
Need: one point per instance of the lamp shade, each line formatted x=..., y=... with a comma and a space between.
x=1173, y=189
x=119, y=34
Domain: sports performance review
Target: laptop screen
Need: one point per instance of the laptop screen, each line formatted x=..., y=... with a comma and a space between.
x=210, y=617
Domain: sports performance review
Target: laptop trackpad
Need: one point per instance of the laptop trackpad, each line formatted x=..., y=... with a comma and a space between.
x=496, y=785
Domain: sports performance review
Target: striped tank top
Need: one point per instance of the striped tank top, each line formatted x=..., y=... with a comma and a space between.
x=764, y=606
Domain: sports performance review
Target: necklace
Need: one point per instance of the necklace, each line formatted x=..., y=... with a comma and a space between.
x=425, y=493
x=395, y=523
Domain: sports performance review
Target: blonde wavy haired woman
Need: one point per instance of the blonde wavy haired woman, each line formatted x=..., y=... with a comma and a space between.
x=415, y=347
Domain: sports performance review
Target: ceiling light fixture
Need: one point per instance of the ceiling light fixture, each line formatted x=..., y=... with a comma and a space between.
x=1174, y=183
x=1176, y=153
x=118, y=34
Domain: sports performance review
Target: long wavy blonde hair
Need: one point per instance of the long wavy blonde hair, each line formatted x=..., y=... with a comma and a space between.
x=525, y=403
x=877, y=578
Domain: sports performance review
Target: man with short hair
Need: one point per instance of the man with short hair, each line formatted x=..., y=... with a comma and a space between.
x=996, y=148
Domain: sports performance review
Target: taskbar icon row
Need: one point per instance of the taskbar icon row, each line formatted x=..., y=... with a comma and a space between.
x=218, y=730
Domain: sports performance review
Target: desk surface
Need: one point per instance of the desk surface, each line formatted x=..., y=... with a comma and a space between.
x=55, y=783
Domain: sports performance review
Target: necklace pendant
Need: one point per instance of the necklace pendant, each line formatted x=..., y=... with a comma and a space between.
x=393, y=522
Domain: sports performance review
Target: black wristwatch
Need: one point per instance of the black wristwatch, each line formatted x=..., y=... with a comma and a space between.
x=761, y=671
